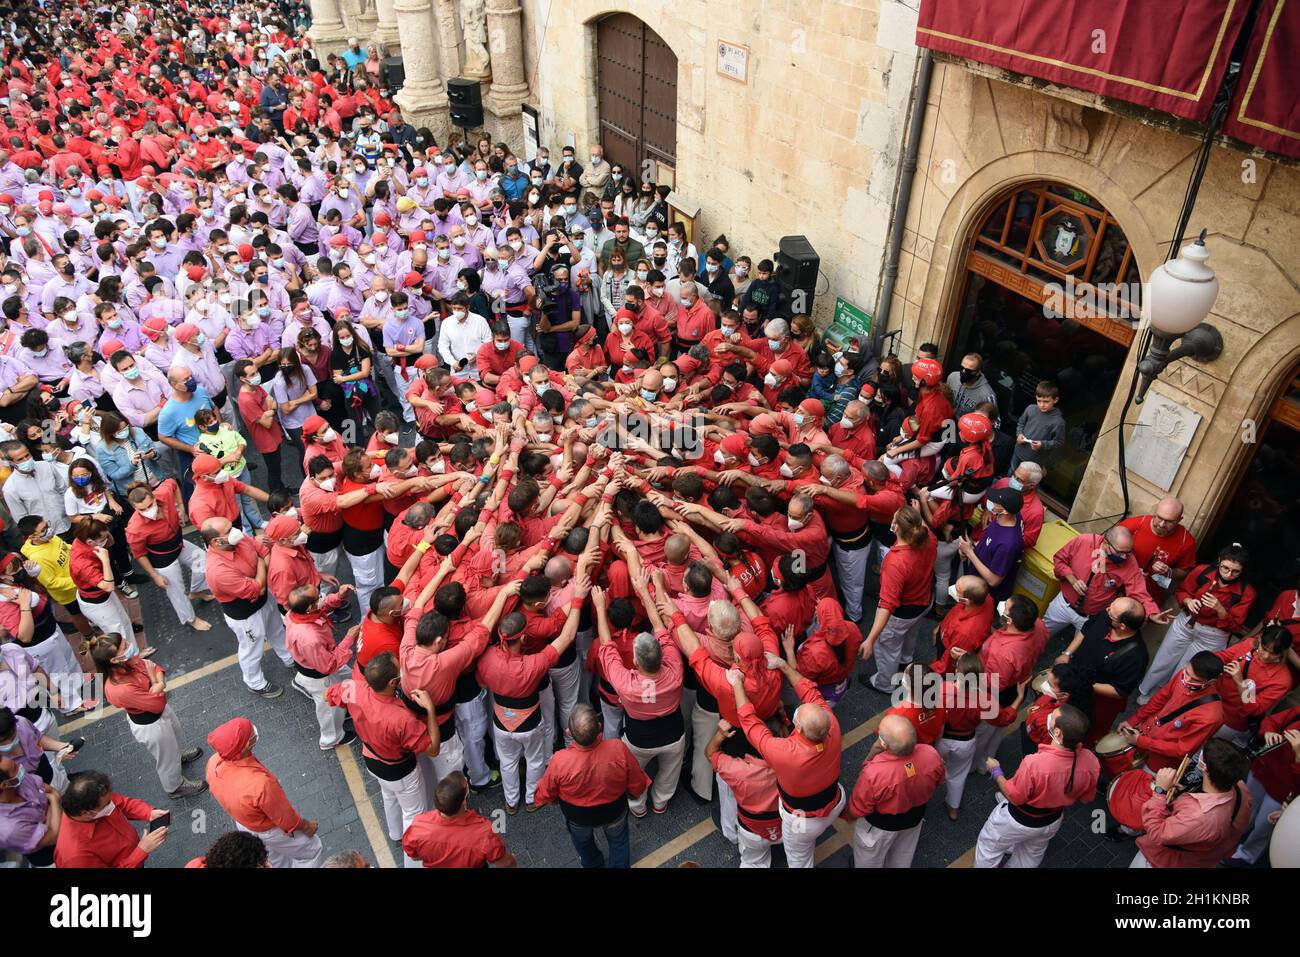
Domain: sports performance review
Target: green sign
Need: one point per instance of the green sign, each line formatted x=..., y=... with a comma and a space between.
x=849, y=322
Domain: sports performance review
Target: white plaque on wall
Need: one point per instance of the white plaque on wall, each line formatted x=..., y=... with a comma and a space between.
x=733, y=61
x=1161, y=439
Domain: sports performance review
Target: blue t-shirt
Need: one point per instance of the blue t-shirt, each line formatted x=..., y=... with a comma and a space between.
x=176, y=420
x=1000, y=548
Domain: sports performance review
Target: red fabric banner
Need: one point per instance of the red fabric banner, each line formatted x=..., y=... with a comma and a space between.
x=1155, y=53
x=1265, y=108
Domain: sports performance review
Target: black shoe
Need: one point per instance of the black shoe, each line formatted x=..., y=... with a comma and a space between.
x=138, y=629
x=192, y=754
x=492, y=784
x=349, y=735
x=698, y=800
x=270, y=691
x=74, y=747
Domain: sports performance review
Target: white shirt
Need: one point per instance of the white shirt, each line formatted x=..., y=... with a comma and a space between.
x=461, y=340
x=40, y=493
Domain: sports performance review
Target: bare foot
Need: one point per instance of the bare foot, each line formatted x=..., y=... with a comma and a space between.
x=952, y=813
x=198, y=624
x=146, y=652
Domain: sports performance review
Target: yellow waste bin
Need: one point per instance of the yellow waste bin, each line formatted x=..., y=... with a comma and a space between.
x=1037, y=581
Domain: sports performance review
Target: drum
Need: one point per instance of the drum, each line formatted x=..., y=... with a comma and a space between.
x=1115, y=753
x=1127, y=793
x=1284, y=848
x=1040, y=682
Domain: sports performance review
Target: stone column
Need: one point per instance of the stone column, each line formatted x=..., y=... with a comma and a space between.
x=423, y=97
x=326, y=25
x=449, y=32
x=386, y=33
x=505, y=41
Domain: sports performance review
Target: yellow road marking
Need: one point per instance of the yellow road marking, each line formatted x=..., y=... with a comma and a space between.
x=966, y=860
x=841, y=838
x=660, y=856
x=375, y=832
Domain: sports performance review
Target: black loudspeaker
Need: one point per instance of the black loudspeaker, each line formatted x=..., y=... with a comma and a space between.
x=466, y=99
x=392, y=74
x=797, y=265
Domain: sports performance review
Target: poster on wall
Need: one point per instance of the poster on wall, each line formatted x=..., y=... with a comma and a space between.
x=532, y=124
x=733, y=61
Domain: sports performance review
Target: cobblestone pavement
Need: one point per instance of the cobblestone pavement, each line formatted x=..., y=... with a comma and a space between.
x=333, y=787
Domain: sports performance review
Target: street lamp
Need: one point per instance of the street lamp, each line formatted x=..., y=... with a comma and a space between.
x=1178, y=297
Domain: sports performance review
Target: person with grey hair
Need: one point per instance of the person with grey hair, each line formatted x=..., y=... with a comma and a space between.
x=889, y=798
x=650, y=694
x=1093, y=570
x=346, y=859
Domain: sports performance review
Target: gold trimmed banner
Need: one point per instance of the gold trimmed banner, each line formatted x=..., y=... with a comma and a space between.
x=1139, y=51
x=1265, y=110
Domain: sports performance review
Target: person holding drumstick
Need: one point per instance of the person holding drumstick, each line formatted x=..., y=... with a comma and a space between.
x=1197, y=828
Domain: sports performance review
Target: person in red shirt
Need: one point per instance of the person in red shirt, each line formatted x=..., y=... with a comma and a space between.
x=255, y=799
x=1215, y=600
x=932, y=410
x=381, y=628
x=854, y=432
x=1093, y=570
x=138, y=688
x=1008, y=656
x=920, y=705
x=1025, y=480
x=1198, y=828
x=897, y=780
x=1162, y=547
x=806, y=764
x=319, y=660
x=966, y=625
x=91, y=570
x=258, y=410
x=1274, y=781
x=497, y=357
x=906, y=584
x=452, y=835
x=1255, y=678
x=392, y=738
x=968, y=704
x=215, y=492
x=1182, y=715
x=96, y=828
x=154, y=536
x=829, y=654
x=1032, y=802
x=591, y=780
x=753, y=782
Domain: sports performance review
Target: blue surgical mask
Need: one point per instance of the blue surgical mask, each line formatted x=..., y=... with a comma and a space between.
x=1015, y=483
x=648, y=395
x=132, y=373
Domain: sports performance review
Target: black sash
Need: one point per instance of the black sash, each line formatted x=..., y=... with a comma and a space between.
x=810, y=803
x=657, y=732
x=897, y=822
x=162, y=554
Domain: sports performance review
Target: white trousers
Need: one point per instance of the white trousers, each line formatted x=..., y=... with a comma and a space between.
x=563, y=694
x=875, y=847
x=112, y=618
x=988, y=738
x=1002, y=835
x=957, y=759
x=799, y=832
x=1183, y=640
x=403, y=803
x=1140, y=860
x=1255, y=843
x=754, y=850
x=471, y=728
x=196, y=560
x=703, y=726
x=894, y=648
x=162, y=740
x=367, y=575
x=943, y=573
x=56, y=657
x=327, y=563
x=1059, y=614
x=329, y=718
x=534, y=748
x=451, y=757
x=851, y=566
x=289, y=850
x=264, y=625
x=612, y=719
x=664, y=785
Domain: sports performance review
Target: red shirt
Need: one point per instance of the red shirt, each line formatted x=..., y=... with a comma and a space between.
x=252, y=406
x=389, y=730
x=860, y=440
x=1167, y=743
x=928, y=722
x=231, y=574
x=1236, y=598
x=896, y=783
x=965, y=627
x=932, y=410
x=803, y=768
x=289, y=568
x=142, y=532
x=1286, y=612
x=251, y=795
x=466, y=840
x=1011, y=655
x=319, y=508
x=376, y=638
x=1053, y=777
x=1177, y=549
x=86, y=569
x=1279, y=770
x=128, y=689
x=107, y=842
x=907, y=574
x=1112, y=579
x=757, y=797
x=1195, y=829
x=490, y=359
x=514, y=675
x=1272, y=683
x=367, y=516
x=1031, y=514
x=590, y=777
x=210, y=500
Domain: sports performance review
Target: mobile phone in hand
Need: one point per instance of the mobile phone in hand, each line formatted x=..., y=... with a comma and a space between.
x=163, y=820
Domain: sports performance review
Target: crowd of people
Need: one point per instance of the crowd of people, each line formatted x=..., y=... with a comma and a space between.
x=615, y=523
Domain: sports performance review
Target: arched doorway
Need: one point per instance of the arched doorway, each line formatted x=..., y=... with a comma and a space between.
x=1263, y=511
x=1050, y=291
x=637, y=95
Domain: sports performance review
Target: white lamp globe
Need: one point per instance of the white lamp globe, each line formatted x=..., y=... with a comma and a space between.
x=1181, y=292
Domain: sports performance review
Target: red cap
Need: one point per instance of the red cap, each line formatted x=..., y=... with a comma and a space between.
x=526, y=364
x=109, y=346
x=196, y=273
x=781, y=368
x=735, y=444
x=378, y=237
x=426, y=361
x=412, y=278
x=281, y=527
x=92, y=196
x=418, y=236
x=205, y=465
x=338, y=239
x=62, y=209
x=186, y=331
x=154, y=327
x=45, y=207
x=382, y=218
x=627, y=314
x=747, y=646
x=230, y=739
x=313, y=425
x=813, y=407
x=45, y=196
x=8, y=199
x=245, y=252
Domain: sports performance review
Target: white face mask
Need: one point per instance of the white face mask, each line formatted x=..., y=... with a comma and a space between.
x=219, y=477
x=717, y=456
x=374, y=472
x=235, y=537
x=151, y=512
x=438, y=467
x=786, y=471
x=794, y=524
x=391, y=438
x=329, y=435
x=327, y=485
x=771, y=381
x=952, y=593
x=301, y=539
x=104, y=811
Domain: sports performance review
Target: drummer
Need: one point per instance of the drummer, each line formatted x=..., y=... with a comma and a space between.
x=1274, y=780
x=1181, y=717
x=1109, y=649
x=1060, y=684
x=1198, y=828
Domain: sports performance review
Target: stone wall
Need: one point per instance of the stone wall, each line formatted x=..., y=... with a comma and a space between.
x=983, y=135
x=809, y=145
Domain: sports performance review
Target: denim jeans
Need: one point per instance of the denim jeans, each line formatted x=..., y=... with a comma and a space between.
x=616, y=836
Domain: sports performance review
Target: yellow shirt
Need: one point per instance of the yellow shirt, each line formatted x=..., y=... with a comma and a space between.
x=222, y=442
x=53, y=556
